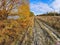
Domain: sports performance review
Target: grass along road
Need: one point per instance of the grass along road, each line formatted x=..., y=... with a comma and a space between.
x=44, y=34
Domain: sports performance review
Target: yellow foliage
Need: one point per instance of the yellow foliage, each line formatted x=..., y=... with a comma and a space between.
x=11, y=6
x=14, y=29
x=24, y=10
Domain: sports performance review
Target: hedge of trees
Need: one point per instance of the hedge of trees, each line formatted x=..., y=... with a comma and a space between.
x=50, y=14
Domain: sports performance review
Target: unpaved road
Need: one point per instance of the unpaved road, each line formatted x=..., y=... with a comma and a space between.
x=44, y=34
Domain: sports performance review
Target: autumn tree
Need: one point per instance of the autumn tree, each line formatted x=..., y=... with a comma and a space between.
x=24, y=12
x=10, y=6
x=7, y=6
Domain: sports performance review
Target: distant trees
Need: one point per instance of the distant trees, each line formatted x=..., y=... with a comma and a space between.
x=51, y=14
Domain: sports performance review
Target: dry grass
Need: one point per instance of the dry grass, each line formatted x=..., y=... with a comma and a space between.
x=53, y=21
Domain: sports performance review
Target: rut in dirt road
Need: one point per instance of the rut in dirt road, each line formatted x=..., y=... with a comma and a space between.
x=44, y=34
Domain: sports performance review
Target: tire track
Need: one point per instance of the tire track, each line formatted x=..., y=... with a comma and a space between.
x=50, y=28
x=39, y=38
x=48, y=31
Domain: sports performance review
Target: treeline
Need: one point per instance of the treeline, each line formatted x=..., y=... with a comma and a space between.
x=50, y=14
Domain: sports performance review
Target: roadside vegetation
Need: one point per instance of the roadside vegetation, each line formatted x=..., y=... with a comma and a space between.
x=53, y=21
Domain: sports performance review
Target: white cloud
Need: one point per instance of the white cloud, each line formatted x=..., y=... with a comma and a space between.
x=56, y=5
x=40, y=8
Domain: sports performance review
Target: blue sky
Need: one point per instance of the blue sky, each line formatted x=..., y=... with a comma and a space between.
x=44, y=1
x=44, y=6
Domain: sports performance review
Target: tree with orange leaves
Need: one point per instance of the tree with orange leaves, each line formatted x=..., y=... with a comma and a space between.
x=6, y=6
